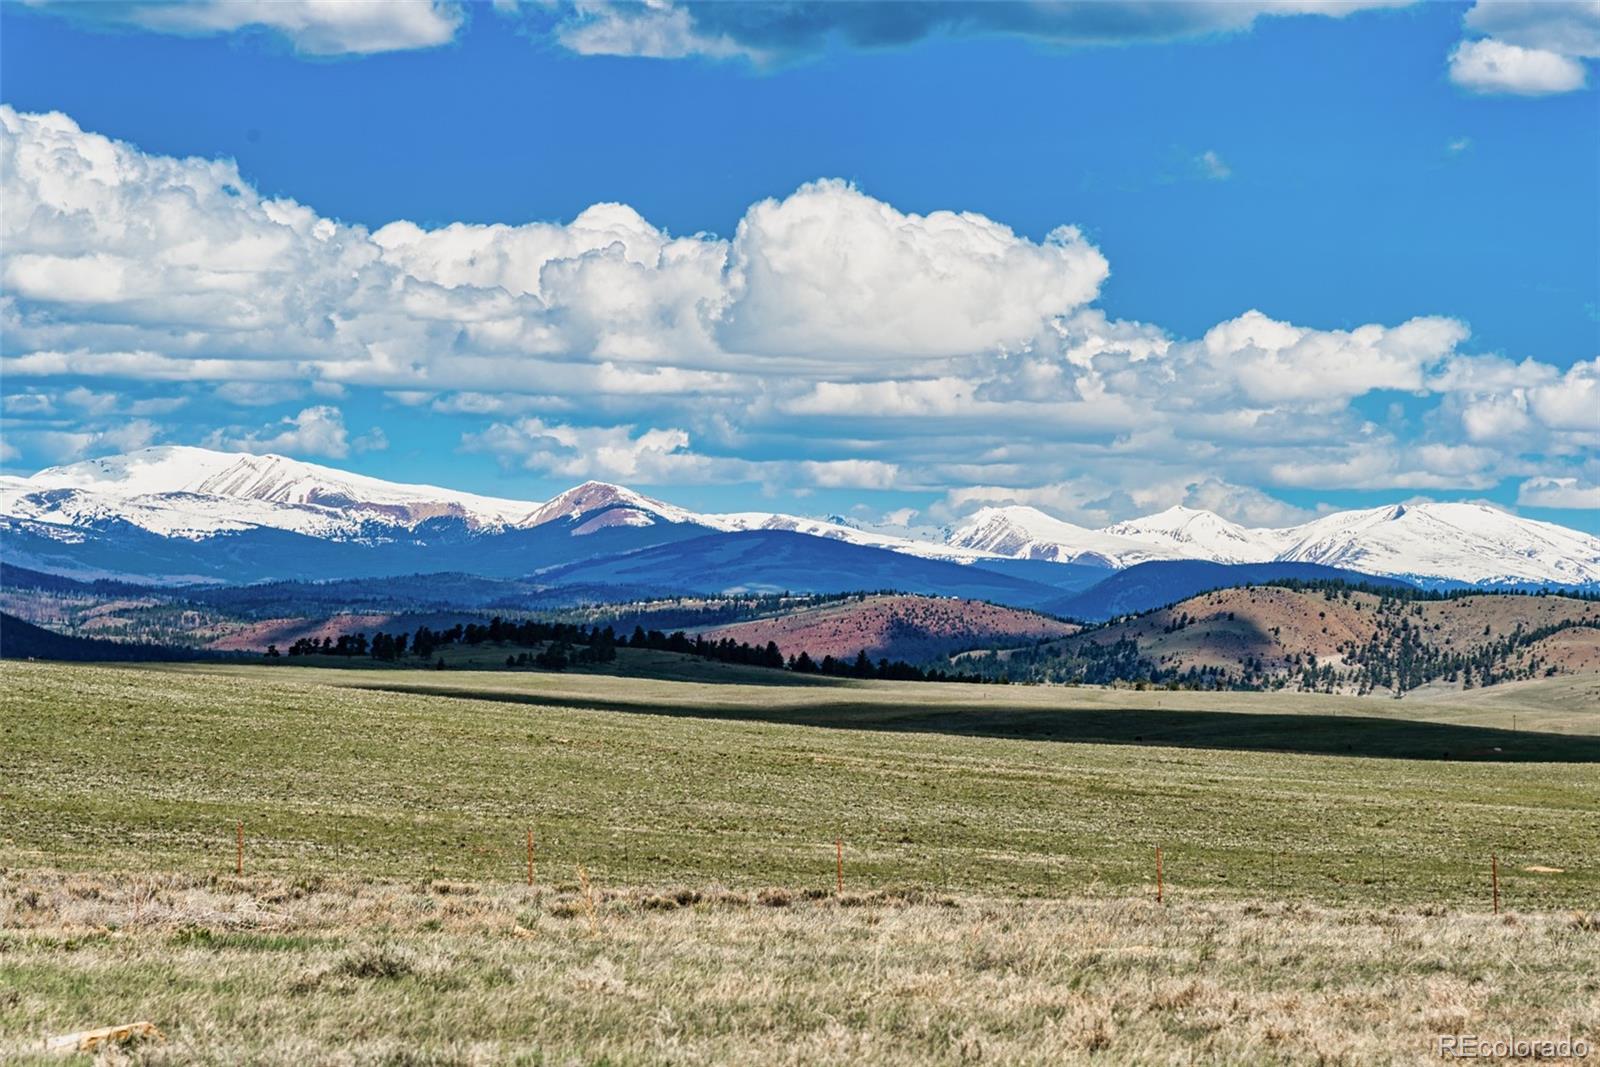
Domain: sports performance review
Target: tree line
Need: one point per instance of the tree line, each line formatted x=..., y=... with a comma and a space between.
x=561, y=645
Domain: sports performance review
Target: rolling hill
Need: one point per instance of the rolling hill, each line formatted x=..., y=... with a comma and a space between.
x=23, y=640
x=1329, y=640
x=911, y=628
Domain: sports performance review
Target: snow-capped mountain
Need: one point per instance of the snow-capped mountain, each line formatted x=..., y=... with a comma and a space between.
x=133, y=515
x=197, y=492
x=837, y=530
x=190, y=492
x=599, y=505
x=1196, y=534
x=1472, y=543
x=1430, y=542
x=1028, y=533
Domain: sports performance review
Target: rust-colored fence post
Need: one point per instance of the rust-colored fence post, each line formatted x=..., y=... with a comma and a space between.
x=238, y=848
x=838, y=847
x=1494, y=880
x=1158, y=875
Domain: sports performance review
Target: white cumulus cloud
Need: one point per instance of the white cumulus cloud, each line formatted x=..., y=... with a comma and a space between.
x=832, y=272
x=1277, y=361
x=1243, y=504
x=1572, y=402
x=312, y=27
x=1487, y=65
x=119, y=257
x=651, y=456
x=1558, y=493
x=869, y=347
x=63, y=446
x=315, y=431
x=851, y=474
x=653, y=29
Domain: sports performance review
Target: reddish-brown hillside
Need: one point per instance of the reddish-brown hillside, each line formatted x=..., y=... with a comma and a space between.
x=1361, y=638
x=910, y=628
x=1575, y=651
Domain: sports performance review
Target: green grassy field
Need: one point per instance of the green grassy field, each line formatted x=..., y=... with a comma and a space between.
x=999, y=880
x=1546, y=714
x=950, y=787
x=1552, y=720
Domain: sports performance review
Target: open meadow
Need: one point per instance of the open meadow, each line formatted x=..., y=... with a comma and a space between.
x=1321, y=896
x=271, y=970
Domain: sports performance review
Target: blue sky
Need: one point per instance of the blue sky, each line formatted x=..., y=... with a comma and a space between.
x=1411, y=212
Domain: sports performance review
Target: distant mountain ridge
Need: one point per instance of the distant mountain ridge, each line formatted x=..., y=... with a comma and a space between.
x=772, y=561
x=180, y=514
x=1431, y=543
x=195, y=492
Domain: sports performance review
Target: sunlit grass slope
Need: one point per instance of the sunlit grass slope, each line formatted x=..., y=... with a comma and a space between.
x=114, y=768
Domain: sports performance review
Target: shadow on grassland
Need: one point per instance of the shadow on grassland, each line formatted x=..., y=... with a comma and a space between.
x=1309, y=734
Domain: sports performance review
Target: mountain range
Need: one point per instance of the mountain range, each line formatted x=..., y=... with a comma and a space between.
x=175, y=514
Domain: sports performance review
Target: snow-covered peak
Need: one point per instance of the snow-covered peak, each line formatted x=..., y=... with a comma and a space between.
x=1449, y=542
x=195, y=492
x=616, y=505
x=160, y=469
x=1029, y=520
x=1027, y=533
x=1199, y=534
x=838, y=529
x=1461, y=542
x=243, y=476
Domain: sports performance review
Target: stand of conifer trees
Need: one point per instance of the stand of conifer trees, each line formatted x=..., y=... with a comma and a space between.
x=561, y=645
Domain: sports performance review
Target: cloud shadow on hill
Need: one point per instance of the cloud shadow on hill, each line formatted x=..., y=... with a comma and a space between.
x=1304, y=734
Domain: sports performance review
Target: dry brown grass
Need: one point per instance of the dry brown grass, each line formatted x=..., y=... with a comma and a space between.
x=346, y=971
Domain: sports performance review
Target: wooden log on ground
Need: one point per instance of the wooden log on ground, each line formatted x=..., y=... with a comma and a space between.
x=89, y=1040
